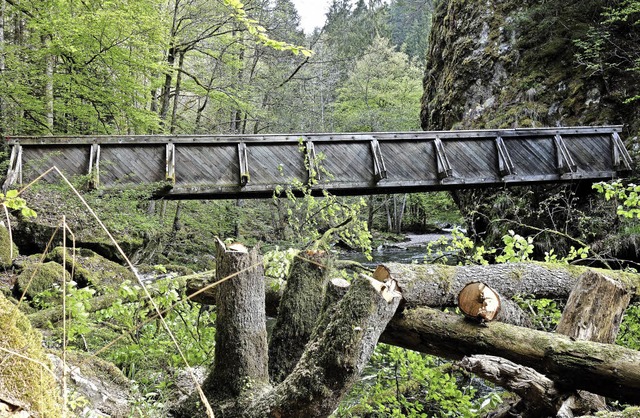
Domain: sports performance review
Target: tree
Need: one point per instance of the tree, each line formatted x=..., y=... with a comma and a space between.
x=371, y=100
x=84, y=63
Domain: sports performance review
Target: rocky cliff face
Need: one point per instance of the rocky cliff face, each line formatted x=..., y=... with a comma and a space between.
x=506, y=63
x=526, y=63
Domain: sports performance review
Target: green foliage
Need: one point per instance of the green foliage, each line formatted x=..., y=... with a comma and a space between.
x=516, y=248
x=460, y=248
x=148, y=349
x=629, y=333
x=544, y=313
x=321, y=222
x=277, y=264
x=12, y=201
x=260, y=33
x=371, y=100
x=627, y=196
x=405, y=383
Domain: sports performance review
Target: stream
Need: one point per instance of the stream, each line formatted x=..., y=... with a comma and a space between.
x=414, y=249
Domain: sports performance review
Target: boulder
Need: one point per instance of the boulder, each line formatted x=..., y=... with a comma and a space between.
x=27, y=383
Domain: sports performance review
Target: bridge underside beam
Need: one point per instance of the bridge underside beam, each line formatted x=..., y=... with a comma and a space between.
x=257, y=166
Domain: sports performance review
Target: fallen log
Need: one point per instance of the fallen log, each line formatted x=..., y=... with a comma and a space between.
x=438, y=285
x=605, y=369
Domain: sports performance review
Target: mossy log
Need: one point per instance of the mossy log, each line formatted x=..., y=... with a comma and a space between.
x=605, y=369
x=540, y=394
x=593, y=312
x=439, y=285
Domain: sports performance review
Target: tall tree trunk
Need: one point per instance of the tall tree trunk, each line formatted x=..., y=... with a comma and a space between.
x=166, y=88
x=176, y=94
x=3, y=121
x=48, y=87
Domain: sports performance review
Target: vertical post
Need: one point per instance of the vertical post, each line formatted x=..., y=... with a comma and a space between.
x=170, y=168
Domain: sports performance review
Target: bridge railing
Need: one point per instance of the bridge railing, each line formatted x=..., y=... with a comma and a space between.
x=248, y=166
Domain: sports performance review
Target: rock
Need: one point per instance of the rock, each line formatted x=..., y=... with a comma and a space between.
x=6, y=251
x=26, y=382
x=98, y=388
x=37, y=277
x=90, y=268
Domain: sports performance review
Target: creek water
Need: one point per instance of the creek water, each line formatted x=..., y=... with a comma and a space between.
x=414, y=249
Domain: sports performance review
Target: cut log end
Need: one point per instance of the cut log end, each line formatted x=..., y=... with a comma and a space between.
x=478, y=301
x=389, y=290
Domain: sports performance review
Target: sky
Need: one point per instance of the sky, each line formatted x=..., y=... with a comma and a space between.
x=312, y=13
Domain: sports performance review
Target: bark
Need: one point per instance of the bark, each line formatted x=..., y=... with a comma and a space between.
x=541, y=395
x=593, y=312
x=341, y=344
x=594, y=309
x=176, y=95
x=339, y=349
x=48, y=88
x=298, y=312
x=240, y=363
x=604, y=369
x=439, y=285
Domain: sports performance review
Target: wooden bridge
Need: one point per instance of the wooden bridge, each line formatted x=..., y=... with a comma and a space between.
x=256, y=166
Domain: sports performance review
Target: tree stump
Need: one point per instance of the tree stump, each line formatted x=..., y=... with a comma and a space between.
x=298, y=312
x=593, y=313
x=241, y=333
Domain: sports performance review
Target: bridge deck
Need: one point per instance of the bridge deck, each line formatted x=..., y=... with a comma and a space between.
x=251, y=166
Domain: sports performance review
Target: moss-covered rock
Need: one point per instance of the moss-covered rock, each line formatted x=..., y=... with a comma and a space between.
x=37, y=277
x=504, y=64
x=90, y=268
x=5, y=247
x=25, y=375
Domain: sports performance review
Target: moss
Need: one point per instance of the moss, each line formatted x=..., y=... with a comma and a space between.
x=35, y=278
x=24, y=376
x=5, y=247
x=90, y=268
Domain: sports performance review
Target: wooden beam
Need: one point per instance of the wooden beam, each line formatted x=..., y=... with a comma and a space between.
x=312, y=163
x=379, y=168
x=564, y=161
x=94, y=166
x=316, y=137
x=442, y=161
x=505, y=165
x=170, y=171
x=621, y=157
x=243, y=160
x=14, y=174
